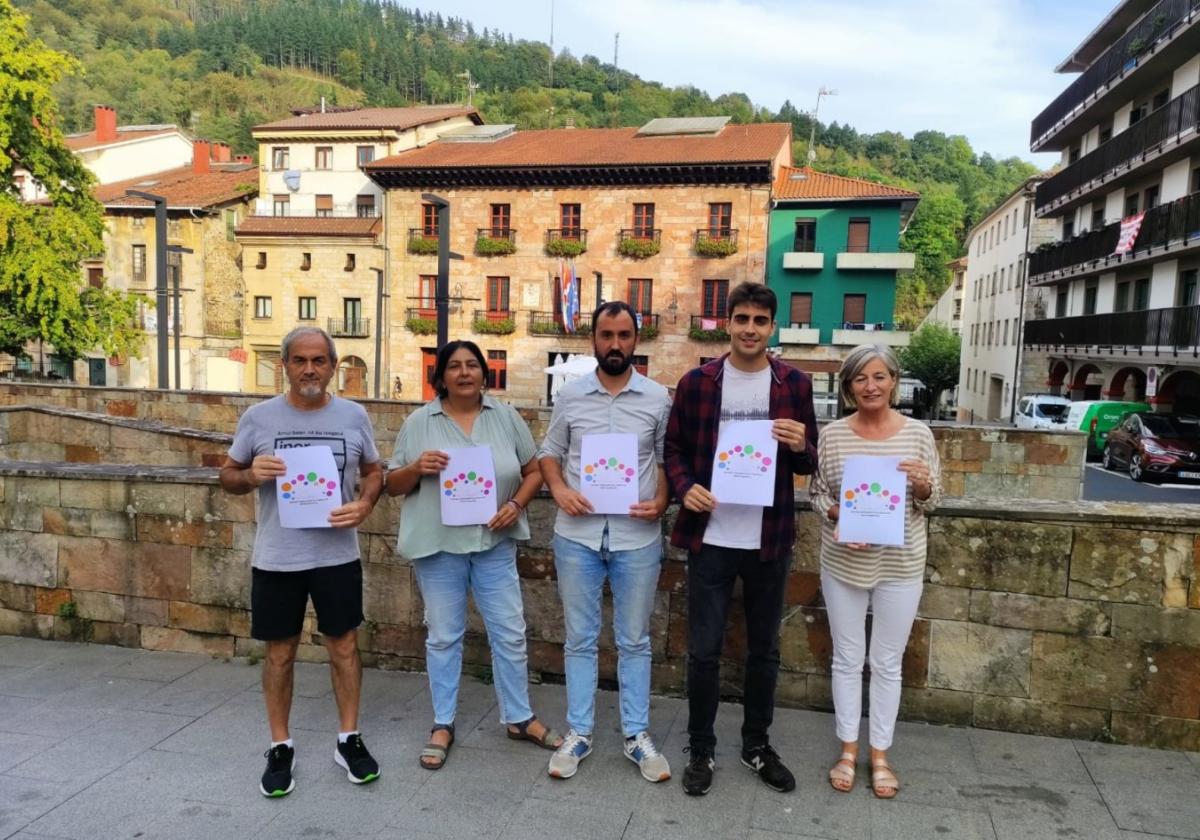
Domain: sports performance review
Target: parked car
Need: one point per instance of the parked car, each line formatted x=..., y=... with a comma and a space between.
x=1042, y=411
x=1097, y=418
x=1155, y=446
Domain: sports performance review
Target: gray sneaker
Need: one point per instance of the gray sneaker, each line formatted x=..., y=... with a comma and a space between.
x=574, y=749
x=641, y=751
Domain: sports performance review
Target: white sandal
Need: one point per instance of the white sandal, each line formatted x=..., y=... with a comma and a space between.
x=843, y=770
x=882, y=778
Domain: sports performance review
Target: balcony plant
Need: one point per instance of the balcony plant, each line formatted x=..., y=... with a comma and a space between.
x=421, y=326
x=648, y=331
x=708, y=336
x=721, y=247
x=422, y=246
x=487, y=326
x=638, y=249
x=487, y=246
x=565, y=247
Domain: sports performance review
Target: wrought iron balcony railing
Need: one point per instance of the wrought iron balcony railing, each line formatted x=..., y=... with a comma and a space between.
x=1174, y=330
x=1160, y=22
x=550, y=324
x=1175, y=222
x=1122, y=151
x=354, y=328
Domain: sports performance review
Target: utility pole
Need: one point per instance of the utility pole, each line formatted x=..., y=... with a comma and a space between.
x=160, y=280
x=812, y=134
x=442, y=293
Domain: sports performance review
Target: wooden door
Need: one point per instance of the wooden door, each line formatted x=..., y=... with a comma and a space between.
x=428, y=363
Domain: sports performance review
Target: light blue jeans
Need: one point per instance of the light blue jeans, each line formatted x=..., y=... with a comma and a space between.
x=633, y=577
x=491, y=578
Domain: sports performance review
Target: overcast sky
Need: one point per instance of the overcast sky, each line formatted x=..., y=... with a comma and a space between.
x=981, y=68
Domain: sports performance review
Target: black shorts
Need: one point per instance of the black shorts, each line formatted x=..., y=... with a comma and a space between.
x=278, y=601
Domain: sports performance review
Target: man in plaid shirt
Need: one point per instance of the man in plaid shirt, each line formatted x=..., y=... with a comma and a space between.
x=726, y=541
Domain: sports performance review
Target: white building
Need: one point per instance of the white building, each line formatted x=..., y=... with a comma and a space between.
x=948, y=309
x=1117, y=321
x=995, y=296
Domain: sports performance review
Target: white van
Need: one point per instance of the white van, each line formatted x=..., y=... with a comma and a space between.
x=1043, y=411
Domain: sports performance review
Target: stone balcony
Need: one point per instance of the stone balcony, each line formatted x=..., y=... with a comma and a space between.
x=876, y=260
x=799, y=335
x=886, y=334
x=804, y=260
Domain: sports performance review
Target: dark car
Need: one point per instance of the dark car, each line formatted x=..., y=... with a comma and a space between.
x=1155, y=446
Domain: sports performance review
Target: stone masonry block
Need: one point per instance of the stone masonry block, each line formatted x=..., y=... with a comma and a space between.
x=975, y=657
x=208, y=619
x=48, y=601
x=188, y=502
x=220, y=577
x=1153, y=624
x=160, y=571
x=99, y=606
x=952, y=603
x=1156, y=731
x=1131, y=566
x=1036, y=717
x=805, y=643
x=20, y=516
x=230, y=508
x=34, y=491
x=17, y=596
x=85, y=522
x=1003, y=556
x=936, y=705
x=146, y=611
x=1036, y=612
x=28, y=558
x=17, y=623
x=173, y=531
x=184, y=641
x=388, y=593
x=97, y=495
x=94, y=564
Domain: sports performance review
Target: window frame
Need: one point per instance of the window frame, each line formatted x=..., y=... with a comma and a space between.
x=263, y=310
x=306, y=304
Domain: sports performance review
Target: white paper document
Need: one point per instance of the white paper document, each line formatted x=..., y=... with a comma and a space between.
x=468, y=486
x=872, y=500
x=608, y=471
x=309, y=491
x=744, y=468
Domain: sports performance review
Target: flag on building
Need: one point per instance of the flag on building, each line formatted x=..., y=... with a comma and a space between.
x=568, y=295
x=1129, y=232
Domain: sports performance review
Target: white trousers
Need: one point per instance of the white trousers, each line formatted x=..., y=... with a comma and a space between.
x=893, y=608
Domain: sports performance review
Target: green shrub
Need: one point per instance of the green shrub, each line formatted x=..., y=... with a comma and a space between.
x=716, y=247
x=708, y=336
x=648, y=331
x=423, y=246
x=486, y=326
x=639, y=249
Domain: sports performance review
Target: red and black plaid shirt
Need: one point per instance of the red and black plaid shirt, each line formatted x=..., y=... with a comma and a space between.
x=691, y=446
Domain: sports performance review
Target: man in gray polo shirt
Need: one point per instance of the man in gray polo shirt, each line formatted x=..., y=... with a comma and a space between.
x=291, y=565
x=625, y=549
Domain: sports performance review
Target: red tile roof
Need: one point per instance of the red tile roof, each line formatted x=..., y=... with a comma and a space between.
x=80, y=142
x=395, y=118
x=309, y=226
x=801, y=182
x=547, y=148
x=183, y=188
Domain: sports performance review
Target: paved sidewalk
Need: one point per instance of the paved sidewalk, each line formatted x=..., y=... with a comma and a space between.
x=104, y=742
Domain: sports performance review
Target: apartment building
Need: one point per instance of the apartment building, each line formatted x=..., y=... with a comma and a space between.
x=949, y=307
x=1118, y=314
x=314, y=249
x=668, y=217
x=995, y=296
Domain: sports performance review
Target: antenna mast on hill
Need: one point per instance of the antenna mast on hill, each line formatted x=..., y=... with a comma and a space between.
x=812, y=134
x=551, y=63
x=617, y=67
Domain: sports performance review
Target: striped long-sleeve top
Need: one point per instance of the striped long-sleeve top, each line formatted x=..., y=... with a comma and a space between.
x=864, y=568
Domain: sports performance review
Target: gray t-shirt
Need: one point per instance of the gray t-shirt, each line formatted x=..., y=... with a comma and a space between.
x=744, y=396
x=341, y=425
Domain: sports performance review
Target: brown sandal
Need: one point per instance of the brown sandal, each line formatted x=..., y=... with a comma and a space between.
x=844, y=770
x=549, y=740
x=436, y=753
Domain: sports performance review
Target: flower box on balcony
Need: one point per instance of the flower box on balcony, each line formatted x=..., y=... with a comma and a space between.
x=565, y=247
x=716, y=247
x=487, y=326
x=708, y=336
x=638, y=249
x=488, y=246
x=421, y=326
x=648, y=331
x=422, y=246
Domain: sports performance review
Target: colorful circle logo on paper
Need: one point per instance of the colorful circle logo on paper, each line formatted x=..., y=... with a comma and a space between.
x=872, y=496
x=743, y=458
x=608, y=470
x=468, y=484
x=307, y=486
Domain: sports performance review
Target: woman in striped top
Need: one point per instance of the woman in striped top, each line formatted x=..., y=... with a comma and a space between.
x=855, y=574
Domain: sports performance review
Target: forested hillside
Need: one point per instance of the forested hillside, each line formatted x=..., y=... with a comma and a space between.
x=220, y=67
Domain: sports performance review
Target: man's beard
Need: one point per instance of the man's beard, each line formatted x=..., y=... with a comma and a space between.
x=310, y=389
x=615, y=363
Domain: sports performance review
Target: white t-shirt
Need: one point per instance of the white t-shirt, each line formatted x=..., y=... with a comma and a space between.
x=744, y=396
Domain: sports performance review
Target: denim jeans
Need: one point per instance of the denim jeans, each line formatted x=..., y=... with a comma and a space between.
x=710, y=577
x=633, y=578
x=491, y=578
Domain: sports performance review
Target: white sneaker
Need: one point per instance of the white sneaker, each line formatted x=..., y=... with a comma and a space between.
x=574, y=749
x=641, y=751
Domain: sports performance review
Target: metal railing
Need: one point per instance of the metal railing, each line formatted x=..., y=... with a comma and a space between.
x=506, y=234
x=356, y=328
x=648, y=324
x=1176, y=329
x=642, y=234
x=493, y=315
x=1176, y=221
x=1123, y=150
x=717, y=235
x=569, y=234
x=549, y=324
x=1125, y=54
x=869, y=326
x=709, y=322
x=423, y=312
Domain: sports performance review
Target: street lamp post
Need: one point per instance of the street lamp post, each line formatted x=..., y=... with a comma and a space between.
x=160, y=279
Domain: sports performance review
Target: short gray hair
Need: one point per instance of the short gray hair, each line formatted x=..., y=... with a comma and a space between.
x=859, y=358
x=301, y=332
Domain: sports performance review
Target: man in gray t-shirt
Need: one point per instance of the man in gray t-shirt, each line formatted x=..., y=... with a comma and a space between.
x=290, y=565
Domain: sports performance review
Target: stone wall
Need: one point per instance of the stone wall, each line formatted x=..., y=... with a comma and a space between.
x=1070, y=619
x=976, y=460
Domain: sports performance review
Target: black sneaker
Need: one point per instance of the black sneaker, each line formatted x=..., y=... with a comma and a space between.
x=698, y=775
x=765, y=762
x=353, y=756
x=277, y=778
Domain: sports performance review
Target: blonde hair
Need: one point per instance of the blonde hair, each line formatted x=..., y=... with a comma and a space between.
x=859, y=358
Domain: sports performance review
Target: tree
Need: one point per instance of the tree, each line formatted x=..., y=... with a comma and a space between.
x=42, y=296
x=932, y=357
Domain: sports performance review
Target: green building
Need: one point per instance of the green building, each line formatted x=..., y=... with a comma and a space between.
x=833, y=251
